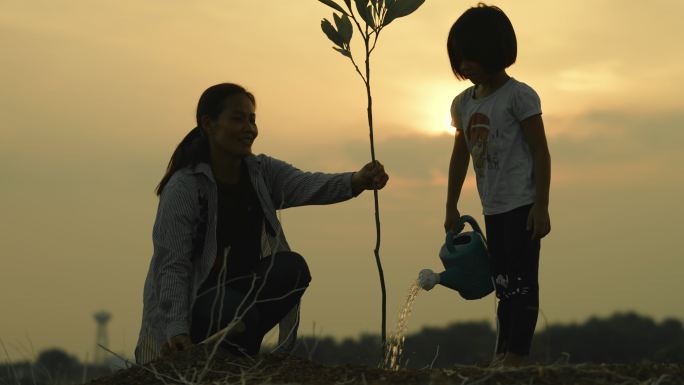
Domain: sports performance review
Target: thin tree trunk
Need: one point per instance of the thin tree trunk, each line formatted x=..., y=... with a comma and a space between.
x=376, y=251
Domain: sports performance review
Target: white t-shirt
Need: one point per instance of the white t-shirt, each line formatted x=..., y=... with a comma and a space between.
x=501, y=156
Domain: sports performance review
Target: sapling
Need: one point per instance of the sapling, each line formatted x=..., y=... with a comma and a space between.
x=370, y=17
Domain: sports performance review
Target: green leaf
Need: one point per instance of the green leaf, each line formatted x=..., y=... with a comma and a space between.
x=344, y=26
x=365, y=12
x=344, y=52
x=401, y=8
x=333, y=5
x=332, y=33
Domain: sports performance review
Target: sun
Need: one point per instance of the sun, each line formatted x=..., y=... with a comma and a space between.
x=434, y=116
x=436, y=113
x=447, y=125
x=437, y=124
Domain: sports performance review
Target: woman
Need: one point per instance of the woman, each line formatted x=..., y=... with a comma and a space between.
x=220, y=258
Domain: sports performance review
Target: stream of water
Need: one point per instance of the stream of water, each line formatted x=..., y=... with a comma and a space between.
x=395, y=344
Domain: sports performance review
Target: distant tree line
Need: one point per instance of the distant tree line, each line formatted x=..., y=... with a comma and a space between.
x=620, y=338
x=54, y=367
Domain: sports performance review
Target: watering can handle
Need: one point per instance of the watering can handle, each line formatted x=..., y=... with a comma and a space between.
x=460, y=224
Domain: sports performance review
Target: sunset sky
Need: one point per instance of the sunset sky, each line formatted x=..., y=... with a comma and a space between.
x=96, y=94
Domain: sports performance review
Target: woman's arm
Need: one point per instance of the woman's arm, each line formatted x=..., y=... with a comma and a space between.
x=291, y=187
x=172, y=236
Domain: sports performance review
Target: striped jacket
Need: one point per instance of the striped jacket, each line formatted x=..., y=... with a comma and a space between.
x=184, y=238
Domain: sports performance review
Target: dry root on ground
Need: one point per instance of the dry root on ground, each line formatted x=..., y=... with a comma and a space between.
x=191, y=368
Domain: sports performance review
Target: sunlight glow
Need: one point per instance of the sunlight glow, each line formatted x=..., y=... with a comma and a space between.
x=439, y=124
x=435, y=117
x=434, y=121
x=447, y=125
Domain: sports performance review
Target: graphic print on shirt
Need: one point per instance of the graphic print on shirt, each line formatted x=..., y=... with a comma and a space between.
x=478, y=135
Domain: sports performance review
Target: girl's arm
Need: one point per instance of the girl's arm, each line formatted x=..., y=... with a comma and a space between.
x=458, y=168
x=539, y=221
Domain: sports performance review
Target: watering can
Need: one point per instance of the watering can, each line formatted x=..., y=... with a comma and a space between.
x=466, y=260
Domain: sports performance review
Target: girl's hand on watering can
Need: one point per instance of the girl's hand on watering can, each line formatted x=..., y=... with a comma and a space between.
x=539, y=221
x=450, y=223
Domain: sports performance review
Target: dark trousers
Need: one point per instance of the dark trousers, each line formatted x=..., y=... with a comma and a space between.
x=259, y=299
x=515, y=269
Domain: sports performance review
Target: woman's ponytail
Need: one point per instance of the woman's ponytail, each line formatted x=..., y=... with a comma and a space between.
x=193, y=149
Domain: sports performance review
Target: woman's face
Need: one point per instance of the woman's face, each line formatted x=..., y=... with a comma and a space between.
x=234, y=131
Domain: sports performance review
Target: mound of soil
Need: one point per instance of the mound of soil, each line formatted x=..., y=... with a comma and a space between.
x=195, y=367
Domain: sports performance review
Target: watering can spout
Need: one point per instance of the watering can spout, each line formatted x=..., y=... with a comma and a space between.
x=427, y=279
x=466, y=262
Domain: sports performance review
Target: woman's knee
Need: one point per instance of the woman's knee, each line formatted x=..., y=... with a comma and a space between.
x=294, y=266
x=285, y=267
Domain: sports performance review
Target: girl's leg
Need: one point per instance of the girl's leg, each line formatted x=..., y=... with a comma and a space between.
x=523, y=289
x=495, y=226
x=515, y=266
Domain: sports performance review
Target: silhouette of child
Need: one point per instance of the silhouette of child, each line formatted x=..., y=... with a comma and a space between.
x=498, y=123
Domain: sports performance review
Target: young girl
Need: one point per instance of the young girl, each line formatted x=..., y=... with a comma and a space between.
x=220, y=253
x=498, y=123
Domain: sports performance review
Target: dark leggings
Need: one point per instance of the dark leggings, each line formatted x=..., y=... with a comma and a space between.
x=260, y=299
x=515, y=269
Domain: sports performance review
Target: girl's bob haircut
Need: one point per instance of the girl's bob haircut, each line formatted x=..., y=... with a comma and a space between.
x=485, y=35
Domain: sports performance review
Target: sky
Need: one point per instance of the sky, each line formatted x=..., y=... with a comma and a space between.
x=96, y=95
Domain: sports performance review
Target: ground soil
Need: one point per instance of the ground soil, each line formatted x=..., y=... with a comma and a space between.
x=186, y=368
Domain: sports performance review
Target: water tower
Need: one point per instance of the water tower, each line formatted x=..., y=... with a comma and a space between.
x=101, y=338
